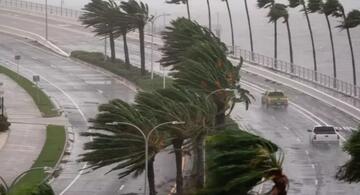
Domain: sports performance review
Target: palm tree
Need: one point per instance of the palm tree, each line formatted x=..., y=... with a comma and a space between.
x=183, y=105
x=352, y=20
x=186, y=49
x=329, y=8
x=240, y=160
x=294, y=4
x=250, y=31
x=122, y=144
x=122, y=27
x=209, y=12
x=267, y=4
x=138, y=14
x=350, y=171
x=43, y=189
x=183, y=2
x=277, y=11
x=231, y=26
x=100, y=15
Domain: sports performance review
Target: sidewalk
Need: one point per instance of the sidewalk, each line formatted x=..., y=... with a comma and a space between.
x=25, y=140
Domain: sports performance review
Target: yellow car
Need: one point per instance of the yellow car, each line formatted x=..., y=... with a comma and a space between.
x=274, y=98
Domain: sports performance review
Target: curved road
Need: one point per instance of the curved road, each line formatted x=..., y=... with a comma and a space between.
x=78, y=89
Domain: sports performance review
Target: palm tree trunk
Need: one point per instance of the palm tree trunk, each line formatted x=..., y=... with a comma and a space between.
x=198, y=165
x=126, y=50
x=142, y=50
x=177, y=144
x=290, y=46
x=188, y=9
x=352, y=53
x=312, y=38
x=332, y=45
x=250, y=31
x=112, y=47
x=151, y=177
x=231, y=26
x=275, y=44
x=209, y=13
x=281, y=184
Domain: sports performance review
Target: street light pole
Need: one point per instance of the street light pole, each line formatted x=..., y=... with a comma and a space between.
x=46, y=20
x=152, y=41
x=146, y=139
x=204, y=156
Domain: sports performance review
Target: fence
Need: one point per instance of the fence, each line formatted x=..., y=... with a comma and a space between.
x=40, y=8
x=300, y=72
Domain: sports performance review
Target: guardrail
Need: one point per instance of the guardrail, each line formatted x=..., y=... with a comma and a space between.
x=40, y=8
x=300, y=72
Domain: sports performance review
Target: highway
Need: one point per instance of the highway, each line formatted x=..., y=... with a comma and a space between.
x=79, y=89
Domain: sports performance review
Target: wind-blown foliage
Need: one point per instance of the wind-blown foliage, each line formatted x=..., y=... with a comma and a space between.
x=103, y=16
x=239, y=162
x=199, y=62
x=350, y=171
x=120, y=144
x=137, y=13
x=43, y=189
x=179, y=2
x=278, y=11
x=182, y=105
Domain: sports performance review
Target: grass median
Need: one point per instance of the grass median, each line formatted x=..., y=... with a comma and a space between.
x=51, y=152
x=42, y=101
x=129, y=72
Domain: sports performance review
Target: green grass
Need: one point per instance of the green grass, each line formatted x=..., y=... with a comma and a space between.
x=51, y=152
x=118, y=67
x=42, y=101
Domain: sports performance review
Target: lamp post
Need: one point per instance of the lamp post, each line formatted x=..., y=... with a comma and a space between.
x=9, y=187
x=153, y=19
x=146, y=139
x=207, y=98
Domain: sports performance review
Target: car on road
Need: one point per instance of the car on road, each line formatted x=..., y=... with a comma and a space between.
x=274, y=98
x=324, y=134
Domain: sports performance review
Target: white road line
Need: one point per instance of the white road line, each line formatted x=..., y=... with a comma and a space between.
x=307, y=152
x=313, y=166
x=298, y=139
x=316, y=182
x=121, y=188
x=79, y=110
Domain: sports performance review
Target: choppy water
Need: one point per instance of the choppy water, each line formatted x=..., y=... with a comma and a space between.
x=263, y=31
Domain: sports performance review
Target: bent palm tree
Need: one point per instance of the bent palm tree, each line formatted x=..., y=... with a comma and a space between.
x=350, y=172
x=181, y=1
x=352, y=20
x=267, y=4
x=209, y=13
x=183, y=105
x=231, y=26
x=250, y=31
x=240, y=162
x=137, y=14
x=120, y=144
x=277, y=11
x=329, y=8
x=294, y=4
x=101, y=15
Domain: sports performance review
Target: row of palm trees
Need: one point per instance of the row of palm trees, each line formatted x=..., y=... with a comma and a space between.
x=201, y=73
x=112, y=20
x=330, y=8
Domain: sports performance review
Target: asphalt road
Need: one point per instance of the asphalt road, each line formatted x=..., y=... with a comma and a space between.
x=310, y=167
x=79, y=89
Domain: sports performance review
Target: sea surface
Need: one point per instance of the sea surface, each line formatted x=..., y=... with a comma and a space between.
x=263, y=31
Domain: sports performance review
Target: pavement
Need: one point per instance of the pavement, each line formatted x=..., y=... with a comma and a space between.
x=24, y=141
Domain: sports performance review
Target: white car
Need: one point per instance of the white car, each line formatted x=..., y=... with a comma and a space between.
x=324, y=133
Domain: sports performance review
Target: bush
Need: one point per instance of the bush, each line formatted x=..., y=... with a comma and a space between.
x=4, y=124
x=119, y=67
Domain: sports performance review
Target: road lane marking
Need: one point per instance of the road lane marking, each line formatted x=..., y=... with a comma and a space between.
x=316, y=182
x=313, y=166
x=307, y=152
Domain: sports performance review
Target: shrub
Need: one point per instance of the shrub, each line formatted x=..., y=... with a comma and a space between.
x=4, y=124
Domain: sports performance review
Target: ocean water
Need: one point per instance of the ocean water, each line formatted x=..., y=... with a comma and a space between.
x=263, y=31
